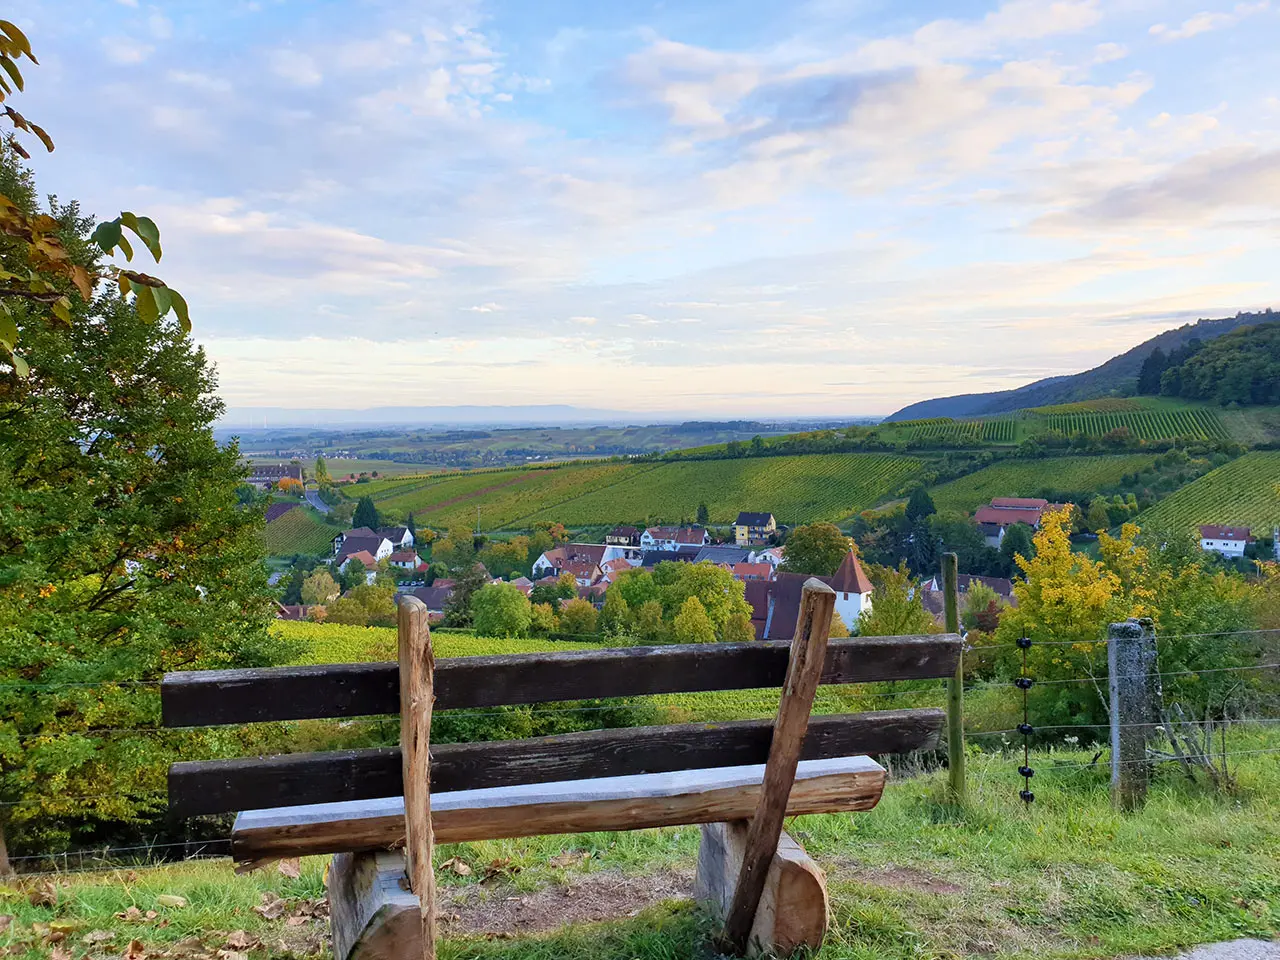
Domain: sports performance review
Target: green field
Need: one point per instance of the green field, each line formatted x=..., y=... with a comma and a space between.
x=1200, y=423
x=1244, y=492
x=1027, y=478
x=798, y=489
x=503, y=497
x=340, y=643
x=972, y=431
x=299, y=531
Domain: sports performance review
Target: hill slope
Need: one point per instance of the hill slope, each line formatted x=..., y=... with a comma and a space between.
x=1098, y=382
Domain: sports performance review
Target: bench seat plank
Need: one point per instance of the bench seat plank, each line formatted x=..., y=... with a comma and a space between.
x=574, y=806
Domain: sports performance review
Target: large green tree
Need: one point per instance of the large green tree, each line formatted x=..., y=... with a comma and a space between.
x=501, y=610
x=366, y=514
x=816, y=548
x=123, y=554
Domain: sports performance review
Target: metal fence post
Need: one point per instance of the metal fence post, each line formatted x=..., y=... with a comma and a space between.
x=1130, y=663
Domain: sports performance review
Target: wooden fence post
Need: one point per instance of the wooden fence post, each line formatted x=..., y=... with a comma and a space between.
x=417, y=668
x=808, y=655
x=955, y=685
x=1130, y=660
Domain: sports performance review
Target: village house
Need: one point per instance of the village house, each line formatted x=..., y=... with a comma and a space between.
x=435, y=598
x=753, y=528
x=752, y=571
x=775, y=604
x=397, y=538
x=264, y=476
x=1227, y=541
x=379, y=547
x=996, y=518
x=623, y=536
x=721, y=556
x=575, y=555
x=673, y=538
x=362, y=557
x=405, y=559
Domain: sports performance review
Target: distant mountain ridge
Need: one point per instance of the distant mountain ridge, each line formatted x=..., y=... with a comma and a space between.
x=1107, y=379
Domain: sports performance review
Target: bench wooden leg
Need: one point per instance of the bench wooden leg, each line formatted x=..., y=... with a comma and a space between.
x=793, y=909
x=371, y=914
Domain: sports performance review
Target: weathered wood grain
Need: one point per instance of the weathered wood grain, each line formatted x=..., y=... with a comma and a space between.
x=583, y=806
x=794, y=906
x=371, y=915
x=808, y=651
x=221, y=786
x=210, y=697
x=416, y=697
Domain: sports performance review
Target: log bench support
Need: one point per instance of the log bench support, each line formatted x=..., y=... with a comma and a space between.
x=373, y=916
x=793, y=905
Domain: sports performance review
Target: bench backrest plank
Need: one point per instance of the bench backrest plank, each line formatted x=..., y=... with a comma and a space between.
x=219, y=786
x=212, y=697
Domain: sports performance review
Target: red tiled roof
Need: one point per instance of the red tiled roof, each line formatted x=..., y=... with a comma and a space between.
x=850, y=578
x=1212, y=531
x=752, y=571
x=1020, y=503
x=1007, y=517
x=364, y=556
x=401, y=556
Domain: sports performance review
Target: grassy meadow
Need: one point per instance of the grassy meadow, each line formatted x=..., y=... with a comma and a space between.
x=1067, y=877
x=1027, y=478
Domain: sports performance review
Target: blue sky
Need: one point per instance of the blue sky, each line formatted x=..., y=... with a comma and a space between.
x=728, y=208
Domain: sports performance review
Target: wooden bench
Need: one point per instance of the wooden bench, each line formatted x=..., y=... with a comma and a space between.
x=381, y=810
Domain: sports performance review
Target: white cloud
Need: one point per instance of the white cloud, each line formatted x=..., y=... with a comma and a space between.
x=1109, y=52
x=1208, y=20
x=296, y=67
x=161, y=26
x=484, y=308
x=126, y=50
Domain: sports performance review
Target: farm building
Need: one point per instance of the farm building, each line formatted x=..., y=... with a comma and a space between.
x=1228, y=541
x=1003, y=512
x=266, y=475
x=673, y=538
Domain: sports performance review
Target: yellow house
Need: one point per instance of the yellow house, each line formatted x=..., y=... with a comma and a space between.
x=752, y=528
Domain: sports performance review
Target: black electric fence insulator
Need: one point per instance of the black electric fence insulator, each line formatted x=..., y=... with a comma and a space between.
x=1026, y=772
x=1026, y=729
x=1024, y=643
x=1026, y=795
x=1023, y=683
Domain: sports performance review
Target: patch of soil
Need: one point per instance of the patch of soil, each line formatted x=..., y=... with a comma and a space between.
x=598, y=896
x=902, y=878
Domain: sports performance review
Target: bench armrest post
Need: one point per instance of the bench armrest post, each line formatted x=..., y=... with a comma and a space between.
x=417, y=667
x=808, y=653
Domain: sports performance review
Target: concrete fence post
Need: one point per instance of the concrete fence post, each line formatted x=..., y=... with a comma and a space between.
x=1131, y=684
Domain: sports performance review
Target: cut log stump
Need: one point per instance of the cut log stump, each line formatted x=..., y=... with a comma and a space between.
x=793, y=908
x=371, y=913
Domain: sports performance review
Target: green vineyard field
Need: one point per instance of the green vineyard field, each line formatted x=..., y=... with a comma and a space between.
x=1244, y=492
x=970, y=431
x=340, y=643
x=298, y=531
x=796, y=489
x=502, y=496
x=1026, y=478
x=1197, y=423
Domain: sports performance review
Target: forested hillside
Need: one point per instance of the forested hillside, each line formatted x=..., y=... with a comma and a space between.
x=1117, y=376
x=1241, y=367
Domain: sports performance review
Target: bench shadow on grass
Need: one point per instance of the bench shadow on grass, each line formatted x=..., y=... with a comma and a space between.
x=672, y=930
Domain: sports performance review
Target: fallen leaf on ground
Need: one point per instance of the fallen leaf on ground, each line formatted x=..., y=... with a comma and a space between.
x=45, y=895
x=458, y=866
x=135, y=951
x=569, y=857
x=232, y=955
x=151, y=914
x=129, y=913
x=5, y=920
x=240, y=940
x=271, y=908
x=295, y=921
x=171, y=900
x=500, y=868
x=98, y=936
x=60, y=953
x=291, y=868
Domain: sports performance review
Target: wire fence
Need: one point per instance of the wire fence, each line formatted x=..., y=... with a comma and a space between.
x=101, y=858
